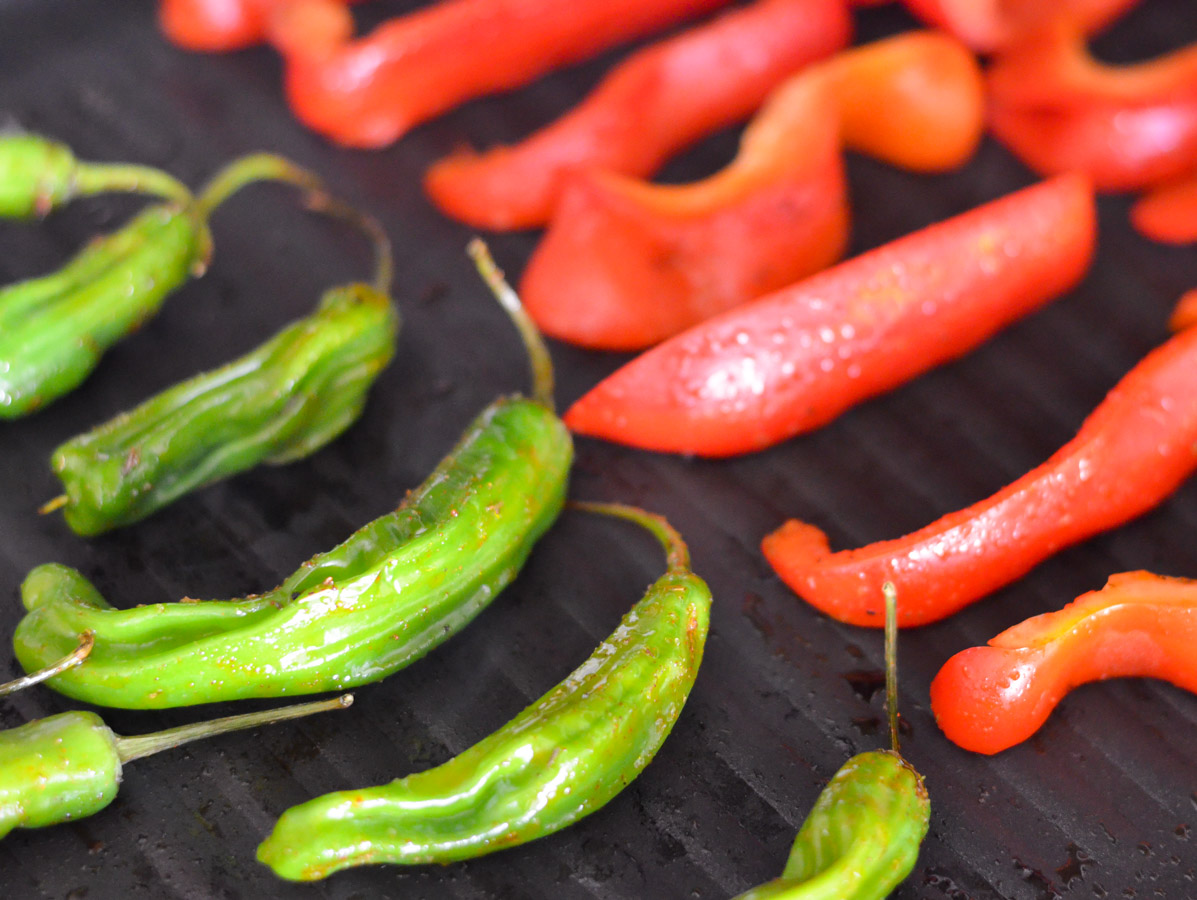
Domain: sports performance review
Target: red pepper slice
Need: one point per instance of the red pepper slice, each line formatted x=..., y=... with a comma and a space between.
x=1184, y=314
x=795, y=359
x=1168, y=213
x=1130, y=454
x=369, y=91
x=219, y=25
x=1059, y=109
x=988, y=25
x=656, y=102
x=626, y=264
x=988, y=699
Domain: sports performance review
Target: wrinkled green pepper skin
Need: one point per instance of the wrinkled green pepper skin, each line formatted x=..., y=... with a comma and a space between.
x=281, y=402
x=54, y=329
x=38, y=175
x=55, y=769
x=398, y=587
x=862, y=837
x=561, y=758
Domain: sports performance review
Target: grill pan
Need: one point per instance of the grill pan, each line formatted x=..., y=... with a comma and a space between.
x=1100, y=803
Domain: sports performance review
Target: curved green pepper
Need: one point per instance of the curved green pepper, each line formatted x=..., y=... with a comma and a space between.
x=69, y=766
x=54, y=329
x=398, y=587
x=560, y=759
x=38, y=175
x=279, y=403
x=863, y=834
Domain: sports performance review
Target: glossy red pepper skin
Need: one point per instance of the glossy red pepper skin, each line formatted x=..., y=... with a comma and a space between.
x=988, y=25
x=795, y=359
x=990, y=698
x=1058, y=109
x=1168, y=213
x=368, y=92
x=1184, y=314
x=626, y=264
x=1130, y=454
x=650, y=106
x=215, y=26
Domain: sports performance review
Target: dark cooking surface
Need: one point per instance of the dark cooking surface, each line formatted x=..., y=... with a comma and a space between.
x=1100, y=803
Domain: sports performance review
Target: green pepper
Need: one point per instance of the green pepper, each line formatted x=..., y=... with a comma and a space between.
x=862, y=837
x=69, y=766
x=279, y=403
x=54, y=329
x=562, y=758
x=395, y=589
x=38, y=175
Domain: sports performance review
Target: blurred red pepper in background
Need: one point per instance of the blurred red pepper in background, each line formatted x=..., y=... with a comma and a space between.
x=1059, y=109
x=988, y=25
x=625, y=264
x=218, y=25
x=1168, y=213
x=1130, y=454
x=654, y=103
x=795, y=359
x=369, y=91
x=990, y=698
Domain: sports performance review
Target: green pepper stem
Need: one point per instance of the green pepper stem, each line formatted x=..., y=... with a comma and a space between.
x=131, y=748
x=677, y=554
x=246, y=171
x=384, y=267
x=53, y=505
x=538, y=353
x=891, y=661
x=99, y=178
x=87, y=640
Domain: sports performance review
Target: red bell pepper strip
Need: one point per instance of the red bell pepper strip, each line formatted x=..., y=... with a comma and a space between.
x=219, y=25
x=795, y=359
x=369, y=91
x=1059, y=109
x=1131, y=453
x=988, y=25
x=1184, y=314
x=626, y=264
x=1168, y=213
x=648, y=107
x=988, y=699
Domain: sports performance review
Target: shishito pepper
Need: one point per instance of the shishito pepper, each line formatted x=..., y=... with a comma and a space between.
x=54, y=329
x=989, y=698
x=398, y=587
x=863, y=835
x=989, y=25
x=563, y=757
x=280, y=402
x=38, y=175
x=69, y=766
x=1168, y=213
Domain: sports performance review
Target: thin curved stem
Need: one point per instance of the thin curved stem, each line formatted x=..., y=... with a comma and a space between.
x=891, y=661
x=677, y=554
x=87, y=640
x=246, y=171
x=99, y=178
x=538, y=353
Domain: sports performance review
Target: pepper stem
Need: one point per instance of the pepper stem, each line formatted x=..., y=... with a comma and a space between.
x=246, y=171
x=384, y=266
x=100, y=178
x=131, y=748
x=538, y=353
x=87, y=640
x=677, y=554
x=53, y=505
x=891, y=661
